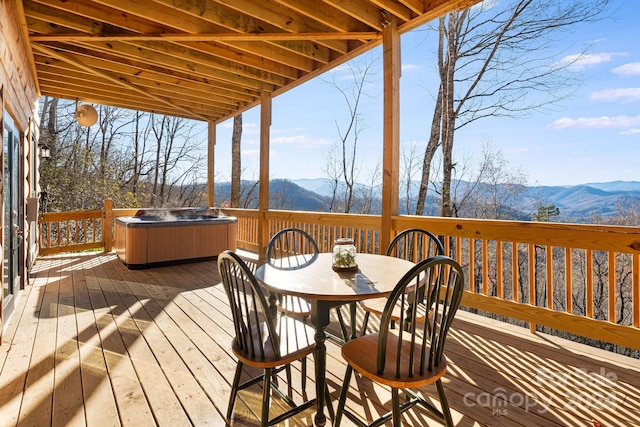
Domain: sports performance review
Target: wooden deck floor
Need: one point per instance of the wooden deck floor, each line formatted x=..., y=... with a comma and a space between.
x=93, y=343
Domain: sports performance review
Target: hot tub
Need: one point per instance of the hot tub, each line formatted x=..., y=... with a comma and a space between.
x=160, y=236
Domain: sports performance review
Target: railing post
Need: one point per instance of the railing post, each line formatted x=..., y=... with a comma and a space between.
x=107, y=225
x=263, y=201
x=391, y=130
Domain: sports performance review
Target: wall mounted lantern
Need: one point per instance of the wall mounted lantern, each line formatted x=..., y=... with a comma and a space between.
x=45, y=151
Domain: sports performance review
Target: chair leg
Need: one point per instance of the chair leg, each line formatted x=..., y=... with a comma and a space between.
x=395, y=403
x=328, y=403
x=343, y=396
x=234, y=389
x=303, y=369
x=287, y=371
x=266, y=394
x=365, y=323
x=448, y=421
x=343, y=327
x=352, y=317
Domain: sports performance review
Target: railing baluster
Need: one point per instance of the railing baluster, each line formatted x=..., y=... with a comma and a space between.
x=589, y=283
x=485, y=267
x=549, y=265
x=532, y=280
x=515, y=272
x=612, y=286
x=635, y=274
x=499, y=272
x=472, y=265
x=568, y=279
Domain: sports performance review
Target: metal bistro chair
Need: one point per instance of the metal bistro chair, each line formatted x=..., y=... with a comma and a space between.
x=261, y=341
x=415, y=245
x=413, y=358
x=292, y=248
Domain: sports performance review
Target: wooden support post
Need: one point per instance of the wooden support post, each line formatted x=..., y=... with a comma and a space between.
x=263, y=202
x=107, y=225
x=635, y=280
x=211, y=145
x=391, y=131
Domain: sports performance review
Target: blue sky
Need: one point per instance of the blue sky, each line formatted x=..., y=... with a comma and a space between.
x=593, y=136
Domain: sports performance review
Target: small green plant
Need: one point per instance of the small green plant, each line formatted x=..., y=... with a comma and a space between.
x=344, y=259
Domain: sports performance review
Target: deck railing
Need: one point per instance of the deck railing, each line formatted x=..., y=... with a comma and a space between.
x=581, y=279
x=78, y=230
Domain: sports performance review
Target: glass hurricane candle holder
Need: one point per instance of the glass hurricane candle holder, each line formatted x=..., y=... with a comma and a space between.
x=344, y=255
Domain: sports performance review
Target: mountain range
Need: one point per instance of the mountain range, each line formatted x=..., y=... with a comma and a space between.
x=577, y=203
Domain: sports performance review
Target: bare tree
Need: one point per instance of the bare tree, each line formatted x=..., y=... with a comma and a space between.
x=281, y=194
x=236, y=166
x=352, y=93
x=175, y=156
x=495, y=190
x=494, y=61
x=249, y=195
x=369, y=193
x=334, y=173
x=140, y=136
x=408, y=168
x=135, y=159
x=111, y=124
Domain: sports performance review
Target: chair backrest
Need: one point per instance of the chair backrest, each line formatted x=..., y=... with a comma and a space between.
x=250, y=310
x=444, y=282
x=415, y=245
x=291, y=248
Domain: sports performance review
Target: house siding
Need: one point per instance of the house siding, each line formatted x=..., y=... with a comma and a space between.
x=19, y=99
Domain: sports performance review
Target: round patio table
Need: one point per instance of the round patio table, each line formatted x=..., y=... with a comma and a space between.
x=325, y=288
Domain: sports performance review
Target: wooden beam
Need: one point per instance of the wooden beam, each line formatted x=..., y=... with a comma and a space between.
x=235, y=17
x=394, y=8
x=108, y=76
x=361, y=10
x=224, y=37
x=25, y=34
x=391, y=132
x=168, y=59
x=434, y=9
x=274, y=18
x=211, y=151
x=151, y=76
x=417, y=6
x=263, y=202
x=325, y=14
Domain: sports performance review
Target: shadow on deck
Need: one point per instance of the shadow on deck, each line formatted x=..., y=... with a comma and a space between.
x=93, y=343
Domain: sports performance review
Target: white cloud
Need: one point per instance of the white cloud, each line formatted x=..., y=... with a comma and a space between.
x=300, y=140
x=409, y=67
x=281, y=131
x=630, y=94
x=579, y=62
x=628, y=70
x=632, y=131
x=597, y=122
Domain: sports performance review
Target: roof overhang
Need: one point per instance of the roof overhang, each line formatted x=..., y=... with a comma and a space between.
x=204, y=60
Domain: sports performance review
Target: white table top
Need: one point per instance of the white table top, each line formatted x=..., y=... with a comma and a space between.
x=377, y=276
